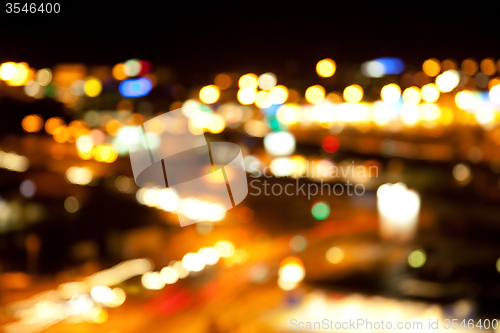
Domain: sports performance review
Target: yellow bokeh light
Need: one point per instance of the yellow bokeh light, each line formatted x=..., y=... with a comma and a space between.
x=105, y=153
x=469, y=66
x=21, y=75
x=390, y=93
x=288, y=114
x=209, y=94
x=410, y=114
x=335, y=255
x=218, y=124
x=92, y=87
x=429, y=111
x=495, y=94
x=464, y=100
x=278, y=94
x=431, y=67
x=299, y=166
x=7, y=71
x=353, y=93
x=249, y=80
x=315, y=94
x=84, y=154
x=430, y=93
x=262, y=100
x=447, y=81
x=101, y=316
x=247, y=95
x=326, y=67
x=32, y=123
x=412, y=96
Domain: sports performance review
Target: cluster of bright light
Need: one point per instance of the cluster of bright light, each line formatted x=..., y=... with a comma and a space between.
x=199, y=210
x=165, y=199
x=271, y=94
x=16, y=74
x=13, y=162
x=75, y=302
x=111, y=298
x=202, y=116
x=105, y=153
x=279, y=143
x=168, y=200
x=131, y=68
x=191, y=262
x=291, y=273
x=447, y=81
x=398, y=208
x=79, y=175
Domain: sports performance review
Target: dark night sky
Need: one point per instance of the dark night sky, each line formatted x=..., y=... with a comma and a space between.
x=255, y=36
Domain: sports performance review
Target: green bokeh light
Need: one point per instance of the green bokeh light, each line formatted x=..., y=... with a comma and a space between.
x=320, y=210
x=417, y=258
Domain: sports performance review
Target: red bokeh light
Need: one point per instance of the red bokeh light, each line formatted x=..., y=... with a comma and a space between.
x=330, y=144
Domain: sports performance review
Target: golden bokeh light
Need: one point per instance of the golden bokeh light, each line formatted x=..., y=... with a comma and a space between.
x=118, y=72
x=92, y=87
x=209, y=94
x=430, y=93
x=218, y=124
x=431, y=67
x=32, y=123
x=263, y=101
x=105, y=153
x=353, y=93
x=61, y=134
x=390, y=93
x=493, y=82
x=7, y=71
x=315, y=94
x=464, y=99
x=447, y=81
x=288, y=114
x=412, y=96
x=278, y=94
x=326, y=67
x=488, y=66
x=247, y=95
x=249, y=80
x=52, y=123
x=113, y=126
